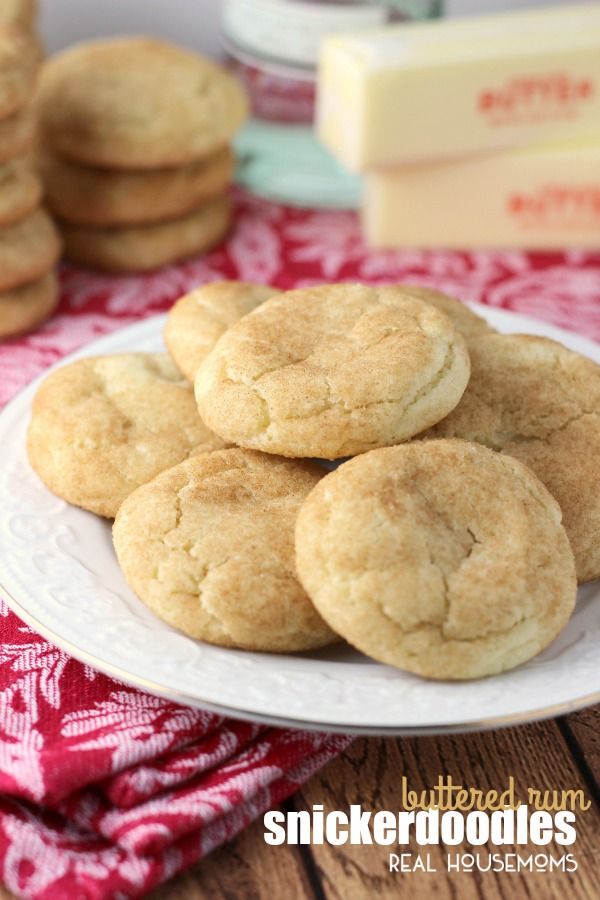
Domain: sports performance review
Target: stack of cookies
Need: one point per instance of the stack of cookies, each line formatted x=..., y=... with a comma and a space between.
x=449, y=546
x=19, y=13
x=29, y=244
x=136, y=156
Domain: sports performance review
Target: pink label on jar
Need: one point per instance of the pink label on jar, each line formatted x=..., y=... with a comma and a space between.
x=277, y=98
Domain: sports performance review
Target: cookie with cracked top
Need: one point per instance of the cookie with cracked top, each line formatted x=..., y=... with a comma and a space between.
x=209, y=546
x=196, y=321
x=104, y=425
x=333, y=371
x=470, y=325
x=442, y=558
x=536, y=400
x=137, y=103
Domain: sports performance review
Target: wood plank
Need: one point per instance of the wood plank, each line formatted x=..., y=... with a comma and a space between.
x=538, y=755
x=245, y=869
x=370, y=772
x=582, y=732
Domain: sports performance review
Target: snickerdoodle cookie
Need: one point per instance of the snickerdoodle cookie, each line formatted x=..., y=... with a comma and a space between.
x=443, y=558
x=137, y=103
x=20, y=190
x=18, y=12
x=470, y=325
x=333, y=371
x=17, y=134
x=102, y=426
x=26, y=307
x=141, y=248
x=209, y=547
x=197, y=321
x=536, y=400
x=101, y=197
x=28, y=250
x=19, y=63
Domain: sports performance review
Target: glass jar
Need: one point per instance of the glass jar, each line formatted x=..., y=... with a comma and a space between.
x=273, y=47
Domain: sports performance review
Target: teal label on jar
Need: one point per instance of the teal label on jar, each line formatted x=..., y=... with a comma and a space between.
x=415, y=9
x=286, y=163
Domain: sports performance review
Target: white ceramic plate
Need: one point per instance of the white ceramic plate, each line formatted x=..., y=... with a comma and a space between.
x=59, y=574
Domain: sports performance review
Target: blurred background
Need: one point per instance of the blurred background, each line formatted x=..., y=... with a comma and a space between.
x=190, y=22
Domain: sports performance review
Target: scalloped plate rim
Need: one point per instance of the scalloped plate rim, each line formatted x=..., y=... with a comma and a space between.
x=150, y=329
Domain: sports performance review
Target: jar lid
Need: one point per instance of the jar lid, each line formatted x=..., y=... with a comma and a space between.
x=292, y=30
x=268, y=64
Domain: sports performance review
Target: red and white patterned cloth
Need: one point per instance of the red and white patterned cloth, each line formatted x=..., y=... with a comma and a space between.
x=107, y=791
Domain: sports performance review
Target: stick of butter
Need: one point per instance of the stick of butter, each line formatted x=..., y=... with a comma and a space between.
x=539, y=197
x=441, y=89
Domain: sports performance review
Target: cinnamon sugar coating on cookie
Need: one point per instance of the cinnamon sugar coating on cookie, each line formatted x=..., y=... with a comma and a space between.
x=442, y=558
x=17, y=134
x=536, y=400
x=103, y=198
x=137, y=103
x=196, y=322
x=209, y=547
x=20, y=190
x=104, y=425
x=18, y=12
x=142, y=248
x=19, y=64
x=27, y=306
x=29, y=248
x=470, y=325
x=333, y=371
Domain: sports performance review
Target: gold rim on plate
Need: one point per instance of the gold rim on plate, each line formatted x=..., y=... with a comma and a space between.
x=151, y=687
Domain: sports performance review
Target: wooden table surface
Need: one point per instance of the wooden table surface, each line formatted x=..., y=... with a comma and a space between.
x=558, y=754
